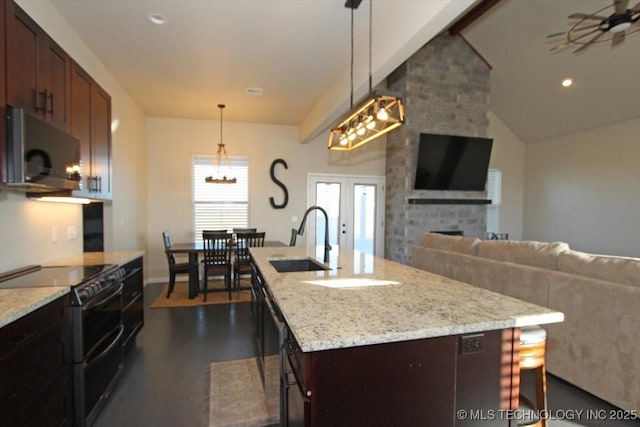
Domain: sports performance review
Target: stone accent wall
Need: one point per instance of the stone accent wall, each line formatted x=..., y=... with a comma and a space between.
x=445, y=89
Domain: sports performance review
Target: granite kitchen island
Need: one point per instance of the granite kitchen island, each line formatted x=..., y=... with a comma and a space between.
x=373, y=342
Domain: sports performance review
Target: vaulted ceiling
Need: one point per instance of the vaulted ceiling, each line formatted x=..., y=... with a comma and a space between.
x=297, y=52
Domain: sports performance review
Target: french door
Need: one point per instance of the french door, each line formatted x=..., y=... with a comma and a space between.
x=355, y=208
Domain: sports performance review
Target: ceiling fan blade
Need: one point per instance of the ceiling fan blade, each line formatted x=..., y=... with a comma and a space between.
x=589, y=43
x=564, y=33
x=617, y=39
x=587, y=16
x=559, y=47
x=621, y=6
x=574, y=39
x=586, y=27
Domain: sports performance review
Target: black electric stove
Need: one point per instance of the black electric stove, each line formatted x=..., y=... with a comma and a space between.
x=43, y=277
x=85, y=282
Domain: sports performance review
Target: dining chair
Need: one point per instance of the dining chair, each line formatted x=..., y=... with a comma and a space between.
x=244, y=230
x=217, y=259
x=175, y=268
x=242, y=262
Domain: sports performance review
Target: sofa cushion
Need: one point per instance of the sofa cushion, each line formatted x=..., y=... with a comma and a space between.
x=610, y=268
x=531, y=253
x=461, y=244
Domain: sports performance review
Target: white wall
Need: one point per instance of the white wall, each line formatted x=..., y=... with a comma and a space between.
x=25, y=226
x=508, y=155
x=584, y=189
x=172, y=142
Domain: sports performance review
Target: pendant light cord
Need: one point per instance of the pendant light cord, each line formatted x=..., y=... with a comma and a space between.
x=351, y=99
x=370, y=43
x=221, y=107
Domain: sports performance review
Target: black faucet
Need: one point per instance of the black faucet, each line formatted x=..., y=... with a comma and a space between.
x=327, y=246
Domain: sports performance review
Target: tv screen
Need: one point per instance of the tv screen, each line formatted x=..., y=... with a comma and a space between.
x=450, y=162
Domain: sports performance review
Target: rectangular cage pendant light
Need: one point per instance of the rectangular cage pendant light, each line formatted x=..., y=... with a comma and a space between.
x=376, y=115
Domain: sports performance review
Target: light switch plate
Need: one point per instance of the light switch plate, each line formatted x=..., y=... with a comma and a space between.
x=71, y=232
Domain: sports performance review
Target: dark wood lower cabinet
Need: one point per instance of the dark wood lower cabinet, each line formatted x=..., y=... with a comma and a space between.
x=35, y=389
x=419, y=382
x=132, y=301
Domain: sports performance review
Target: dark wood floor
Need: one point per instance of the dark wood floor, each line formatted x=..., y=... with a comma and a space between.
x=164, y=381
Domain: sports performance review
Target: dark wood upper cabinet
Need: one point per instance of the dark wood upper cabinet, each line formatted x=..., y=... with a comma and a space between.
x=40, y=77
x=3, y=91
x=91, y=123
x=101, y=140
x=38, y=70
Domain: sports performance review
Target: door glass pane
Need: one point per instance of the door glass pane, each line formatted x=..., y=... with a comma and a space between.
x=364, y=208
x=328, y=198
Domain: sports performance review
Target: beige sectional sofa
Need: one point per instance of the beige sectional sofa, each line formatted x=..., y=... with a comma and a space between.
x=597, y=347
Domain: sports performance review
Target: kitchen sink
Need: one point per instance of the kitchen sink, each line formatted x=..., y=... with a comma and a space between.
x=290, y=265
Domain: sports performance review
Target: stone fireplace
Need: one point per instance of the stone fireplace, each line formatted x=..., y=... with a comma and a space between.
x=445, y=88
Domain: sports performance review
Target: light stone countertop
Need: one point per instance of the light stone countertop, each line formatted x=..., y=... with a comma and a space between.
x=18, y=302
x=419, y=305
x=96, y=258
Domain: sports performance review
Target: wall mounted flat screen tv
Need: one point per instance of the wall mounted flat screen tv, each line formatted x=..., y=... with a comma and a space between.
x=450, y=162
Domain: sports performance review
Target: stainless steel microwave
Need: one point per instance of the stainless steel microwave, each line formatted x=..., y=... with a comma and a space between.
x=41, y=158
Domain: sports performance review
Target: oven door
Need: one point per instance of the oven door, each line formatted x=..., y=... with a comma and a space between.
x=98, y=353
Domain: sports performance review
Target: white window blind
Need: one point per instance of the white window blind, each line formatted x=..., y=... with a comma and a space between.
x=494, y=193
x=219, y=206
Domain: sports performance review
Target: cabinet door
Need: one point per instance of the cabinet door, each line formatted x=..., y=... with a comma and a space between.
x=101, y=141
x=23, y=39
x=3, y=92
x=55, y=79
x=38, y=70
x=81, y=84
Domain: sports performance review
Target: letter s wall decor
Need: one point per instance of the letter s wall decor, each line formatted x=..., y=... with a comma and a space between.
x=274, y=205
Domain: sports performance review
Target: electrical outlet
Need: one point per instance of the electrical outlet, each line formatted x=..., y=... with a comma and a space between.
x=71, y=232
x=471, y=343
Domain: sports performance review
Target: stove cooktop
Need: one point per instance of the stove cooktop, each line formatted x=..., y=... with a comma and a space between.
x=56, y=277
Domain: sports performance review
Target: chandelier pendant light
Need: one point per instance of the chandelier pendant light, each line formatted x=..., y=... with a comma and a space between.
x=377, y=114
x=221, y=153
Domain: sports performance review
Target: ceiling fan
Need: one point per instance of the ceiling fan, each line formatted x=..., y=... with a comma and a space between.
x=597, y=28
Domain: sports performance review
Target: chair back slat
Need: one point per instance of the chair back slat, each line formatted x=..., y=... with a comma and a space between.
x=244, y=241
x=166, y=238
x=244, y=230
x=217, y=248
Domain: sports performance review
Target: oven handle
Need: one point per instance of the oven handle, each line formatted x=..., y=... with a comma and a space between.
x=90, y=361
x=105, y=299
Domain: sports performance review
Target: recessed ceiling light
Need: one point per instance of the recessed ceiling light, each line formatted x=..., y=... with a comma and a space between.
x=157, y=18
x=567, y=82
x=254, y=91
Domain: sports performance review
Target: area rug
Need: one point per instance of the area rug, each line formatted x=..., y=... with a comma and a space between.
x=236, y=396
x=180, y=297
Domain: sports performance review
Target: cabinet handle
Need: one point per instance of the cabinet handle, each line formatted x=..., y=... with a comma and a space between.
x=23, y=338
x=50, y=97
x=287, y=381
x=47, y=97
x=22, y=393
x=93, y=184
x=42, y=107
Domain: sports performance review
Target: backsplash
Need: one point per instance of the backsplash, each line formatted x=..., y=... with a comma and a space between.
x=28, y=229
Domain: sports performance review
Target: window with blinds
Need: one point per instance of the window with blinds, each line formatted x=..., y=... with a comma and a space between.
x=219, y=206
x=494, y=193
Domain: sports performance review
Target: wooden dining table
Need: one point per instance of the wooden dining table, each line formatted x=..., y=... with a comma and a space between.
x=195, y=248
